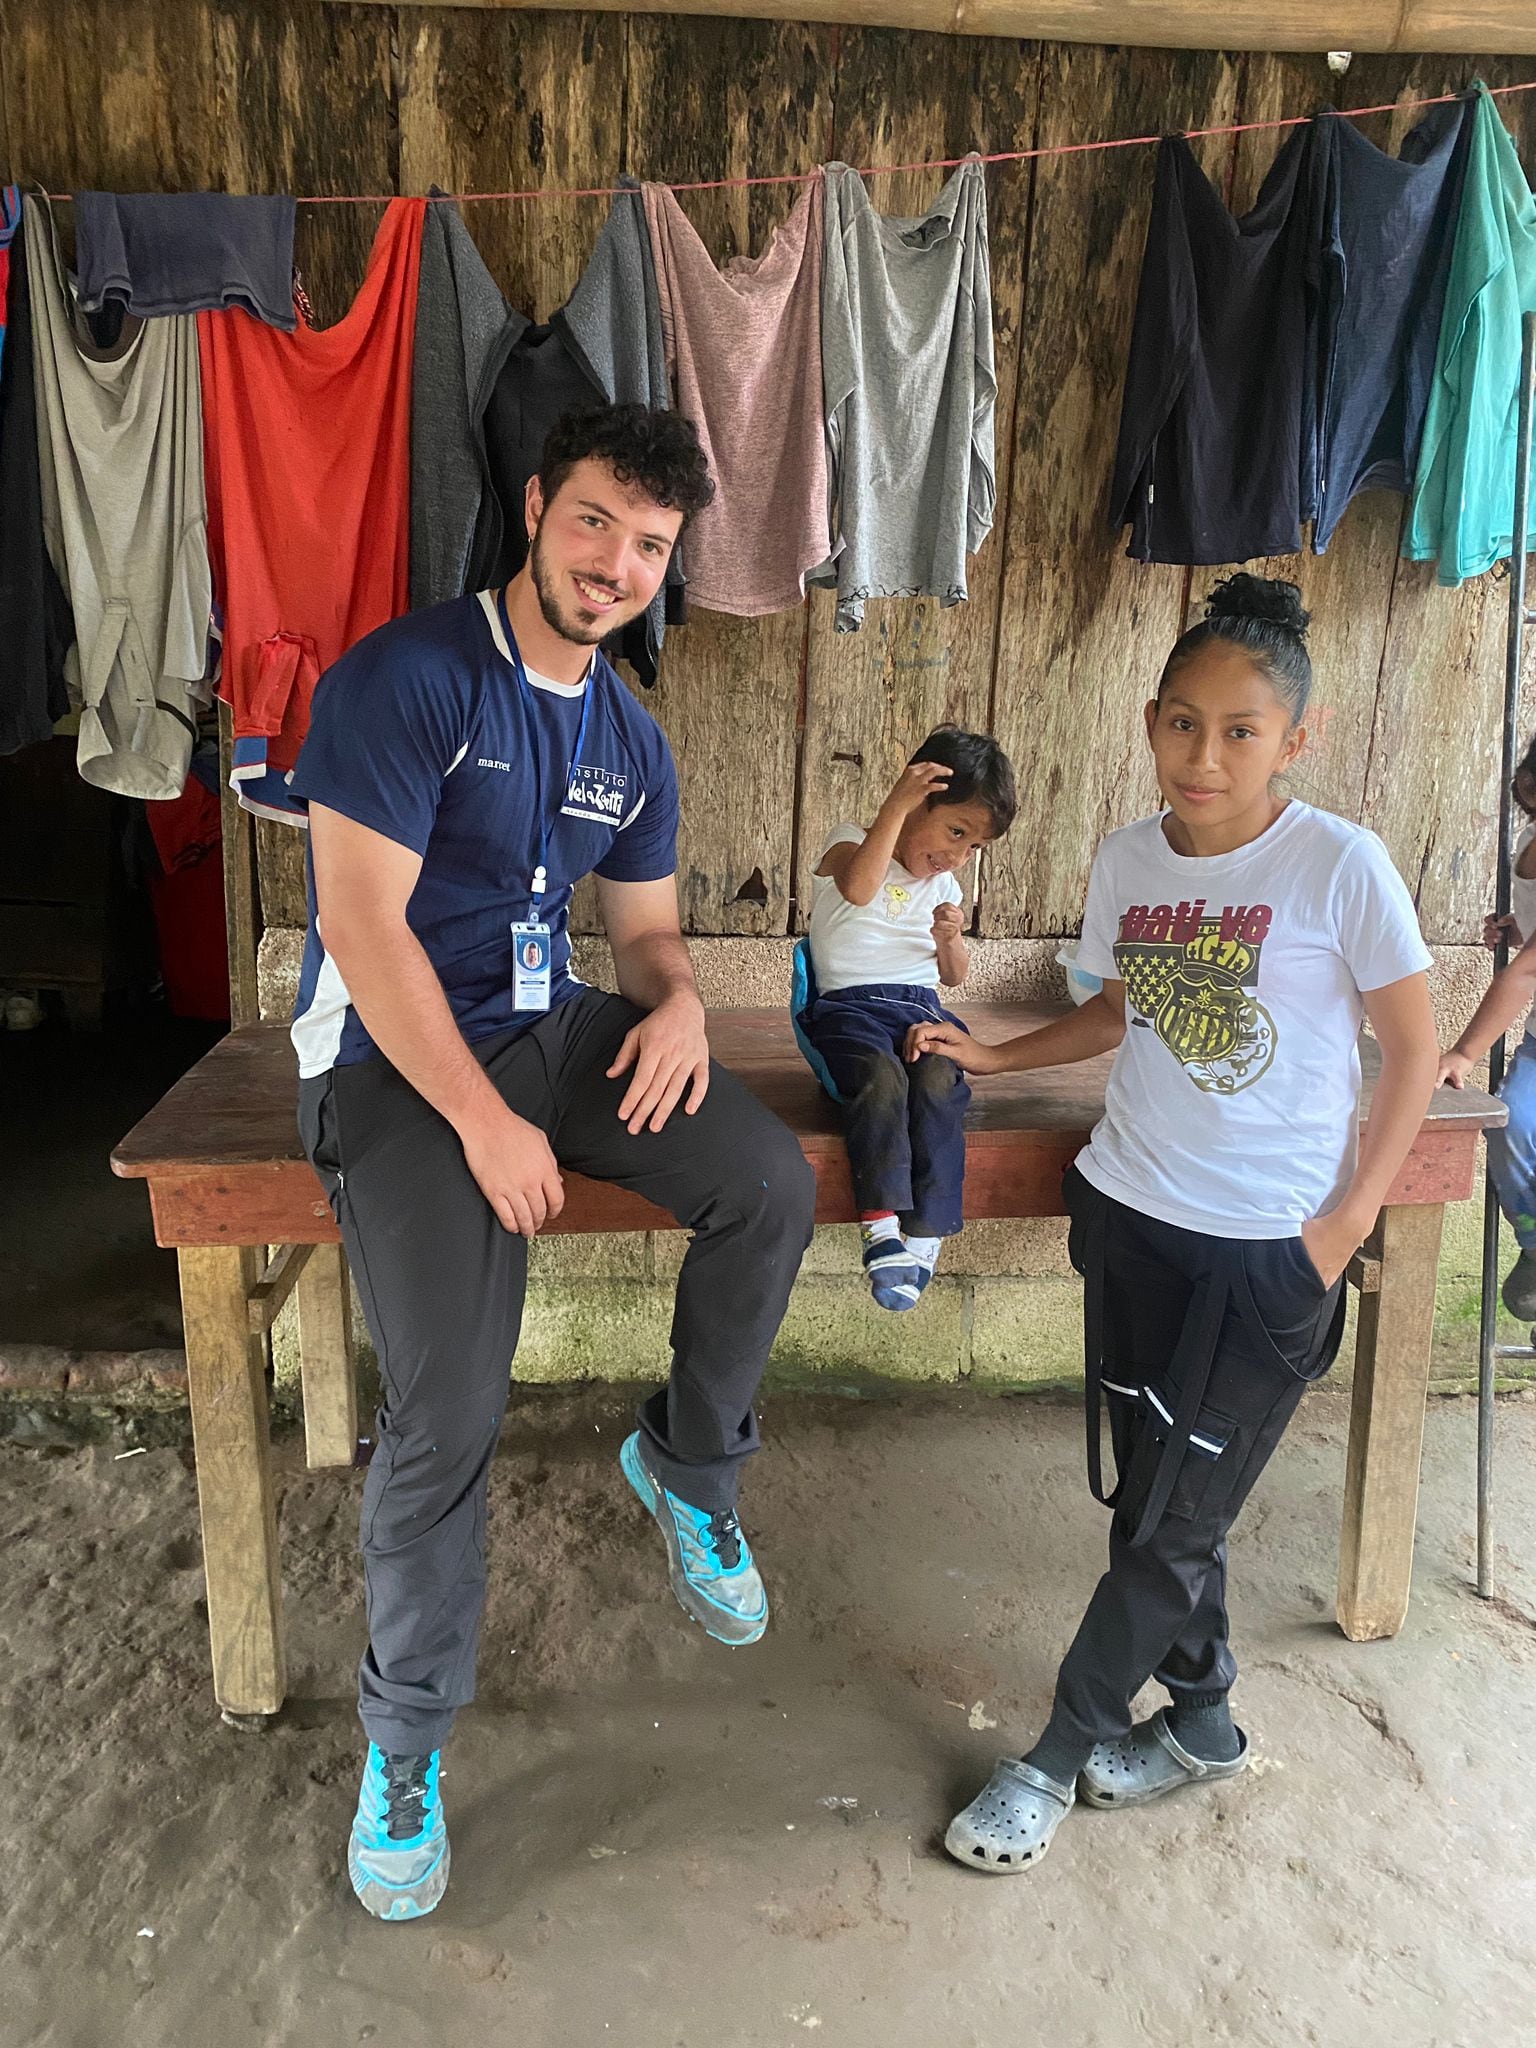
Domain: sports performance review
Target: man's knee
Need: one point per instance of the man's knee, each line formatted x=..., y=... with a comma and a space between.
x=771, y=1179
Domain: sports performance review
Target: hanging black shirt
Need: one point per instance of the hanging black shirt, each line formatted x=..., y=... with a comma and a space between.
x=1388, y=226
x=36, y=626
x=534, y=376
x=1216, y=402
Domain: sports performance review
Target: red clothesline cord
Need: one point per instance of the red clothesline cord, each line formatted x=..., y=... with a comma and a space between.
x=947, y=163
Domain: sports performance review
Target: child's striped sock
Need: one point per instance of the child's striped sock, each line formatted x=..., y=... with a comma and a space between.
x=924, y=1254
x=894, y=1278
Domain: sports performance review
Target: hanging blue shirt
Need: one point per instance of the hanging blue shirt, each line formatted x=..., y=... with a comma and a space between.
x=423, y=733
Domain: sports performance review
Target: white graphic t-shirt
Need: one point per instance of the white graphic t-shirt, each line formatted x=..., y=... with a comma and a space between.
x=887, y=940
x=1233, y=1104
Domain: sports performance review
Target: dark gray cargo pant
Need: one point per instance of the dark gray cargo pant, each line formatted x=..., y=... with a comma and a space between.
x=441, y=1284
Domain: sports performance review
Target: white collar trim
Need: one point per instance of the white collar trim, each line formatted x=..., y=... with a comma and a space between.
x=492, y=612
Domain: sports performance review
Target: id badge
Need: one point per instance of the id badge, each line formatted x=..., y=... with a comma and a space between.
x=530, y=966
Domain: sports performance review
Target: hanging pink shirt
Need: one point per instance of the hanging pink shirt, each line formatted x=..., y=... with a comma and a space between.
x=744, y=352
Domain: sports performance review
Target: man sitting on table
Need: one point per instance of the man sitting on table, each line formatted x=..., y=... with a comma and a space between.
x=465, y=768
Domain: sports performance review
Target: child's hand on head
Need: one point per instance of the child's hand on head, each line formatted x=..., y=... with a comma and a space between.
x=916, y=783
x=948, y=922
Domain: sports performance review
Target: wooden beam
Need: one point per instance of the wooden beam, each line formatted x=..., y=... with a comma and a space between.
x=227, y=1386
x=269, y=1293
x=1497, y=27
x=242, y=929
x=327, y=1361
x=1386, y=1425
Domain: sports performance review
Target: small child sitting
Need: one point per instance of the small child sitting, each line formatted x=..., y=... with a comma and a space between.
x=885, y=930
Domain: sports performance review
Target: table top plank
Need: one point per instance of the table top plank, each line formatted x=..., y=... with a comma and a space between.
x=236, y=1108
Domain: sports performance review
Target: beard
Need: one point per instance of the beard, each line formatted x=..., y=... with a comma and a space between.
x=580, y=627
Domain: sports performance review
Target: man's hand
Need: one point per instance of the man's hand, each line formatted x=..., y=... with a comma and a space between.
x=914, y=786
x=968, y=1053
x=948, y=923
x=669, y=1052
x=1453, y=1070
x=514, y=1170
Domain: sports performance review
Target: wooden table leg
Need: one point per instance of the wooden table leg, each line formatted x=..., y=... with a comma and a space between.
x=326, y=1358
x=226, y=1382
x=1386, y=1426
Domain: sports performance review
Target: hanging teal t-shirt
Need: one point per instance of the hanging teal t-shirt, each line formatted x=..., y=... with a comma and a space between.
x=1463, y=510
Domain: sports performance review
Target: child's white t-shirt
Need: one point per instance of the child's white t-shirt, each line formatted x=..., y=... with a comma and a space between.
x=889, y=939
x=1233, y=1104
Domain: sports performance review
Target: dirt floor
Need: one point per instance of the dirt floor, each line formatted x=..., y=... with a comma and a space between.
x=660, y=1842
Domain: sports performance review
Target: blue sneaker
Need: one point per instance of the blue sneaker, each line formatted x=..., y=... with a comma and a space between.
x=397, y=1858
x=895, y=1278
x=712, y=1572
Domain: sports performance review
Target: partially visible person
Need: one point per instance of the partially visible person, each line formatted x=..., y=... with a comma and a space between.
x=1512, y=1149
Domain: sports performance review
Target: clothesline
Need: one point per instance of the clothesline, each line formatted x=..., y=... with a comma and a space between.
x=947, y=163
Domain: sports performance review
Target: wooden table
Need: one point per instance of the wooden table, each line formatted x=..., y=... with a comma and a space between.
x=228, y=1179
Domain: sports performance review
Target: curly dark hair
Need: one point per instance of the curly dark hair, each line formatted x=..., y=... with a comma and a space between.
x=657, y=451
x=983, y=774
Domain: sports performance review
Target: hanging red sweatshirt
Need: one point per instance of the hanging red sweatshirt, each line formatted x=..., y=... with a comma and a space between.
x=307, y=443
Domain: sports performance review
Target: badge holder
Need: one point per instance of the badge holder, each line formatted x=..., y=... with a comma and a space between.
x=531, y=955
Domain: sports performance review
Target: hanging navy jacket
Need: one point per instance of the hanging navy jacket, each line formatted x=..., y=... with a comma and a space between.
x=1216, y=407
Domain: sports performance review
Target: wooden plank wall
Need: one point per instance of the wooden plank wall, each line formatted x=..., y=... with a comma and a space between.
x=783, y=727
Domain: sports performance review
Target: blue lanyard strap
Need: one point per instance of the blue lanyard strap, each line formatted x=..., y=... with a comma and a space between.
x=541, y=870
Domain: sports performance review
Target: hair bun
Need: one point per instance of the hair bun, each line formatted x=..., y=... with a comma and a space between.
x=1272, y=599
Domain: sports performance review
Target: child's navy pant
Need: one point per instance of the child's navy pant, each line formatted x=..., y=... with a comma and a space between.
x=904, y=1125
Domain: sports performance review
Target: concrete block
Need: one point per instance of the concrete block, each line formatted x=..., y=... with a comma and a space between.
x=278, y=960
x=595, y=1330
x=834, y=1326
x=624, y=1255
x=1032, y=1248
x=1027, y=1331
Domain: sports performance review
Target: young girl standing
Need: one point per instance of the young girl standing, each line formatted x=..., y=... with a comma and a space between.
x=1240, y=935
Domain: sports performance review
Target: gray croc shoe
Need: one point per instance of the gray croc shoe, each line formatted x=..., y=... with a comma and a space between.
x=1147, y=1763
x=1009, y=1824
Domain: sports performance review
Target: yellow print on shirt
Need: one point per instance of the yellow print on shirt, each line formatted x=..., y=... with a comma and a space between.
x=1191, y=977
x=896, y=901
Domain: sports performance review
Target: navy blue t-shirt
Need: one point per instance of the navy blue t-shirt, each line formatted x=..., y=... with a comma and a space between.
x=422, y=733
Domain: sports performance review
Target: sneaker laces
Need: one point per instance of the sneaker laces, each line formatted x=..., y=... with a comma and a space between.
x=725, y=1536
x=405, y=1796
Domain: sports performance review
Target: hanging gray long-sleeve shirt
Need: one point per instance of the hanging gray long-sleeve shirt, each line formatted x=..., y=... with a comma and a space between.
x=120, y=457
x=612, y=321
x=911, y=390
x=462, y=320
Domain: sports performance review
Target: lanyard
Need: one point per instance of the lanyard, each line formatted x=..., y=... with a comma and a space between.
x=541, y=869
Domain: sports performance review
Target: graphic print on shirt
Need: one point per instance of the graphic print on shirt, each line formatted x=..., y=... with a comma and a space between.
x=1191, y=975
x=594, y=793
x=896, y=900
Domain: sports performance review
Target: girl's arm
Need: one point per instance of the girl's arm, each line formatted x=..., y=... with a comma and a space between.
x=1098, y=1026
x=1404, y=1024
x=1509, y=994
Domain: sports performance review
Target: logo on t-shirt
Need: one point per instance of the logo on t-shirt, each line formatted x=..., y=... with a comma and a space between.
x=595, y=794
x=897, y=901
x=1190, y=975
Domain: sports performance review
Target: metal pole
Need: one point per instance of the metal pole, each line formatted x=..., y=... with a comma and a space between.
x=1514, y=662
